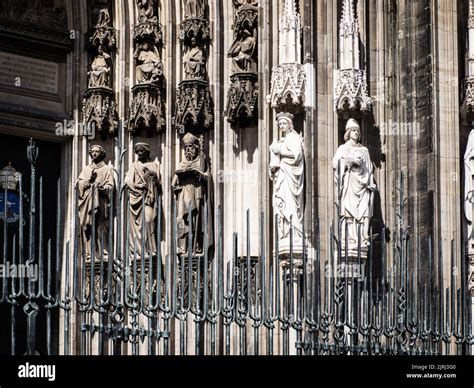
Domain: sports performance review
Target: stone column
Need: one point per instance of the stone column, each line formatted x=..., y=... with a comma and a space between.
x=287, y=156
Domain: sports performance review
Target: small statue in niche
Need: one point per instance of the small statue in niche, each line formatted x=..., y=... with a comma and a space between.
x=192, y=185
x=194, y=9
x=143, y=182
x=149, y=66
x=101, y=14
x=100, y=69
x=94, y=186
x=287, y=173
x=242, y=52
x=354, y=178
x=146, y=10
x=194, y=61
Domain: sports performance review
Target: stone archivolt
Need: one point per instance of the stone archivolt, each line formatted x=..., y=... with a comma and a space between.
x=243, y=90
x=98, y=107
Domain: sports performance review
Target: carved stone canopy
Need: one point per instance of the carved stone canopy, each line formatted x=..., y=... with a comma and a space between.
x=467, y=108
x=99, y=109
x=246, y=16
x=350, y=92
x=288, y=87
x=193, y=105
x=146, y=110
x=149, y=31
x=198, y=28
x=103, y=36
x=242, y=98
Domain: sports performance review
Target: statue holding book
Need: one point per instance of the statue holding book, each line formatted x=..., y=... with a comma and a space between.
x=192, y=185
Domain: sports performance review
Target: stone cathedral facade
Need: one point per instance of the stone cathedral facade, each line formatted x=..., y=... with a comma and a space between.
x=245, y=130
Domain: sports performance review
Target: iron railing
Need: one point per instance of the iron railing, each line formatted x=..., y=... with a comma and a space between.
x=130, y=303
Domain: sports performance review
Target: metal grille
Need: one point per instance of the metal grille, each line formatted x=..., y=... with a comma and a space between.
x=212, y=304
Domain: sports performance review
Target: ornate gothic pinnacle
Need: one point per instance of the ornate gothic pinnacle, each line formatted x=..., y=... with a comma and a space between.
x=349, y=24
x=290, y=19
x=471, y=14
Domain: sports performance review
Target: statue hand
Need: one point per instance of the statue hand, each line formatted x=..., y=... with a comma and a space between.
x=200, y=175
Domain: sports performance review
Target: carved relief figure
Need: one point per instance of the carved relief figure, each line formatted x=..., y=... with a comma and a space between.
x=287, y=173
x=101, y=14
x=354, y=177
x=192, y=185
x=143, y=182
x=194, y=9
x=94, y=187
x=145, y=10
x=100, y=69
x=194, y=61
x=242, y=52
x=149, y=66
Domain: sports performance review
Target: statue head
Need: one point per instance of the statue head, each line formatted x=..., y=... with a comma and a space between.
x=352, y=131
x=191, y=146
x=145, y=46
x=100, y=49
x=97, y=153
x=142, y=150
x=285, y=123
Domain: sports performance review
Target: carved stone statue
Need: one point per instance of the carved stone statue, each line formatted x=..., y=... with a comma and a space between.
x=146, y=10
x=469, y=206
x=194, y=9
x=143, y=182
x=101, y=14
x=239, y=3
x=469, y=191
x=242, y=52
x=100, y=69
x=355, y=185
x=149, y=66
x=194, y=62
x=94, y=186
x=287, y=173
x=192, y=185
